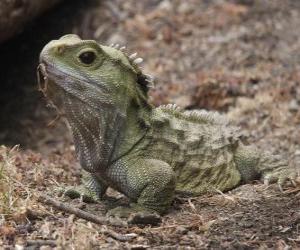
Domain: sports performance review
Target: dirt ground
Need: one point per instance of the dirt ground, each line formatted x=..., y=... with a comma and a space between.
x=238, y=57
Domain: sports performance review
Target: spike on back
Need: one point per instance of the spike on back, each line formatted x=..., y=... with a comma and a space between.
x=145, y=80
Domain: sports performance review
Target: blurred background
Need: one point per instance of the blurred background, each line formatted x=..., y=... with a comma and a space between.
x=239, y=56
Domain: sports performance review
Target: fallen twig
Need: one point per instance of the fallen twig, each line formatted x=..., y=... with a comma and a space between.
x=80, y=213
x=226, y=196
x=111, y=233
x=195, y=224
x=39, y=243
x=290, y=191
x=117, y=236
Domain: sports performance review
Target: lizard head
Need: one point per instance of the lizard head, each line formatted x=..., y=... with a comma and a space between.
x=102, y=91
x=93, y=73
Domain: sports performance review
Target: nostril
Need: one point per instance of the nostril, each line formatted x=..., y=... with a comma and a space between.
x=60, y=49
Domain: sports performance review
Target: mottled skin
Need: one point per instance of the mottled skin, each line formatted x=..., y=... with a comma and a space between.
x=146, y=153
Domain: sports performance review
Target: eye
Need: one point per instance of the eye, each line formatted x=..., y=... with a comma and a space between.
x=87, y=57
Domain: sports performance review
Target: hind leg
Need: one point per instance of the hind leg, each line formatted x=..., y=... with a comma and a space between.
x=276, y=169
x=253, y=164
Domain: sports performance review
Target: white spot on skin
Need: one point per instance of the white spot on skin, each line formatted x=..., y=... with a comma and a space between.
x=138, y=60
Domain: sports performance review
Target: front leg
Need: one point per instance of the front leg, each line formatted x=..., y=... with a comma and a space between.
x=149, y=183
x=90, y=189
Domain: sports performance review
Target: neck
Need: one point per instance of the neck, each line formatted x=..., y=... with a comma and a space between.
x=135, y=126
x=104, y=135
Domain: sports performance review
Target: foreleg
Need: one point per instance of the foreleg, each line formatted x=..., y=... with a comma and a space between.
x=150, y=185
x=91, y=188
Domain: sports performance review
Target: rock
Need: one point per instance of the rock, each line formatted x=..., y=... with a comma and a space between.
x=14, y=14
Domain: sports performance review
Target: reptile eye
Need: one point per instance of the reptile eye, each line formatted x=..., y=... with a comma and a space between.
x=87, y=57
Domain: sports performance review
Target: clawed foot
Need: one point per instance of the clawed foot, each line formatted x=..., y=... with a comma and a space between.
x=80, y=192
x=281, y=177
x=135, y=215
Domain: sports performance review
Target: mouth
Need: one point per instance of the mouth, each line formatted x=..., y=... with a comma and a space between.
x=42, y=78
x=43, y=85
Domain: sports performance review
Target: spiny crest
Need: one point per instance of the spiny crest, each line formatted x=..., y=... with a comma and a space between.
x=145, y=80
x=132, y=58
x=199, y=126
x=202, y=116
x=230, y=134
x=212, y=117
x=171, y=108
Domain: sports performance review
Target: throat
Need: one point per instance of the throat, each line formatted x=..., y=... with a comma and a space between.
x=104, y=135
x=96, y=133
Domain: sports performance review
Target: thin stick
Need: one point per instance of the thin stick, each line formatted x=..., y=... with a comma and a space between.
x=39, y=243
x=113, y=234
x=80, y=213
x=290, y=191
x=117, y=236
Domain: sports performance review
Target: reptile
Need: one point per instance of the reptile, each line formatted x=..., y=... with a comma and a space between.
x=147, y=153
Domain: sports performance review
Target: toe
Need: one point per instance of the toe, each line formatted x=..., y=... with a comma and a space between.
x=72, y=193
x=270, y=178
x=81, y=192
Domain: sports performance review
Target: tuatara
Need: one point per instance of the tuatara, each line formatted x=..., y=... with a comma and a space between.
x=147, y=153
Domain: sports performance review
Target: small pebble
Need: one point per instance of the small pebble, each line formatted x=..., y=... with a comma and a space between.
x=293, y=105
x=181, y=230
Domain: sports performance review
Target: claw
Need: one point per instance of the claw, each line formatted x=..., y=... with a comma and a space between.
x=280, y=188
x=81, y=198
x=266, y=181
x=293, y=183
x=82, y=193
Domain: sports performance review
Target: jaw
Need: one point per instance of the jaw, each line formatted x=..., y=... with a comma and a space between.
x=42, y=78
x=57, y=82
x=52, y=92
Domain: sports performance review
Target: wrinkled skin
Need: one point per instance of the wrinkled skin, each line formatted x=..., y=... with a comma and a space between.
x=146, y=153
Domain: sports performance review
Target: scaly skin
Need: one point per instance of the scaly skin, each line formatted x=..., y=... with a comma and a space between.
x=147, y=153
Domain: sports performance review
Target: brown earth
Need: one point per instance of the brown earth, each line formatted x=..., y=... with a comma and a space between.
x=239, y=57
